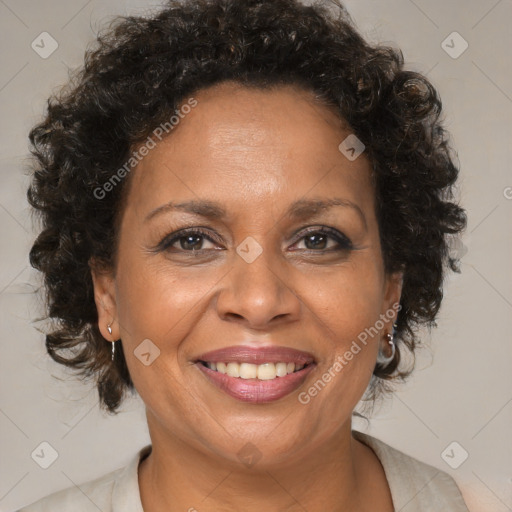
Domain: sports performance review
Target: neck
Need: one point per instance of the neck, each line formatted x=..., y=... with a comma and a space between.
x=178, y=476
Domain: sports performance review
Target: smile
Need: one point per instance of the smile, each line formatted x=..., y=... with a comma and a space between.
x=255, y=390
x=265, y=371
x=256, y=375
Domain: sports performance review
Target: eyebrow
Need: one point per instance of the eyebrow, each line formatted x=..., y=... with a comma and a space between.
x=300, y=209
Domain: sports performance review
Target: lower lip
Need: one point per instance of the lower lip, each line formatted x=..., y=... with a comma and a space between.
x=254, y=390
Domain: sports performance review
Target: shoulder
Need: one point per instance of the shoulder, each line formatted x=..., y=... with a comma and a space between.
x=93, y=495
x=415, y=485
x=114, y=492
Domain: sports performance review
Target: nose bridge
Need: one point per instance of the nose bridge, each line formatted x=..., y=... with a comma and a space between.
x=260, y=273
x=257, y=289
x=257, y=274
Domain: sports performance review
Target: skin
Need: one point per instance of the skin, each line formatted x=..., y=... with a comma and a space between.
x=255, y=152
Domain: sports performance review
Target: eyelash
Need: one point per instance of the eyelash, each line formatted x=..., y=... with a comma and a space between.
x=344, y=243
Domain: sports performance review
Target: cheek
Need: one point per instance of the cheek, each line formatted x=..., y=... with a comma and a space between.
x=160, y=304
x=160, y=299
x=346, y=300
x=346, y=307
x=163, y=304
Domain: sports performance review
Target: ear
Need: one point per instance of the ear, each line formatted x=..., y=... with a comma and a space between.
x=392, y=294
x=105, y=298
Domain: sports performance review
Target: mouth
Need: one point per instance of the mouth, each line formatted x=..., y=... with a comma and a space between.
x=256, y=375
x=265, y=371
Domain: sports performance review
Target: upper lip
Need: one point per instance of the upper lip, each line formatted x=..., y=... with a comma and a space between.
x=257, y=355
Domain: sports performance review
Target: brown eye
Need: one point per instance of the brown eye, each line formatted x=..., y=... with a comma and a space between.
x=191, y=242
x=187, y=241
x=316, y=241
x=319, y=240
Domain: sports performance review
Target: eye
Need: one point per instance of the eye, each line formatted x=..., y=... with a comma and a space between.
x=317, y=240
x=195, y=240
x=187, y=240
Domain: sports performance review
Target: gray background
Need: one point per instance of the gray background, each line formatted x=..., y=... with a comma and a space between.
x=461, y=390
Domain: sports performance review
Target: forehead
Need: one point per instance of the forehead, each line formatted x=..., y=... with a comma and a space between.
x=247, y=146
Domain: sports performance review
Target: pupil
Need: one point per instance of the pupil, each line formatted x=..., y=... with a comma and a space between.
x=187, y=242
x=316, y=245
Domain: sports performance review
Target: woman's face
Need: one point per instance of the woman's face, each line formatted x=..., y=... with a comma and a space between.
x=271, y=271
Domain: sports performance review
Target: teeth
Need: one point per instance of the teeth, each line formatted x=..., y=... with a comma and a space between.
x=266, y=371
x=281, y=370
x=233, y=370
x=248, y=371
x=221, y=367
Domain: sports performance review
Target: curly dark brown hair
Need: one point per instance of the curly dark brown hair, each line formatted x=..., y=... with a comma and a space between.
x=134, y=79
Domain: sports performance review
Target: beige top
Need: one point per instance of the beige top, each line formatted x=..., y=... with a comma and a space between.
x=415, y=486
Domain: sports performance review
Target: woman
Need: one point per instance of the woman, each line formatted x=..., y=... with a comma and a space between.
x=246, y=212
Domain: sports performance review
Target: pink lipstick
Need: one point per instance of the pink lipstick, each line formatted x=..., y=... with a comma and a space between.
x=257, y=375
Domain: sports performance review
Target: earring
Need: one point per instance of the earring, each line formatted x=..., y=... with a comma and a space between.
x=109, y=329
x=382, y=359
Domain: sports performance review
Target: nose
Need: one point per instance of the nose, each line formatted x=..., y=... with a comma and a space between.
x=258, y=294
